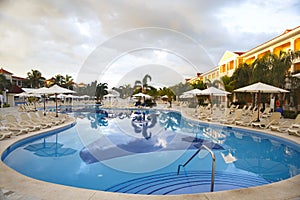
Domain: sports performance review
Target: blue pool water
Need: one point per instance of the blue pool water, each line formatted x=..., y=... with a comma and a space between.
x=138, y=151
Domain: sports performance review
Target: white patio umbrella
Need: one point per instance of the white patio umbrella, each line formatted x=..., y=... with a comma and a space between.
x=42, y=91
x=146, y=96
x=214, y=92
x=55, y=89
x=193, y=92
x=260, y=88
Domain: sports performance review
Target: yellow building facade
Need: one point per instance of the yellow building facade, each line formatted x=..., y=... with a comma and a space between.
x=288, y=41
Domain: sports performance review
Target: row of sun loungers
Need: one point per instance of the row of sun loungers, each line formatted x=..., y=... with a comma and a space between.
x=247, y=117
x=28, y=122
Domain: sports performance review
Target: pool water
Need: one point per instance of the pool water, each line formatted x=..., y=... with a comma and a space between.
x=138, y=152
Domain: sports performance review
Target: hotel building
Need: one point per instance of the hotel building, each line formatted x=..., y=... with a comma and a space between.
x=289, y=40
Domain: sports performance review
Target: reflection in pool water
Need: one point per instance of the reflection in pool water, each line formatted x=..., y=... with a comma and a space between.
x=110, y=148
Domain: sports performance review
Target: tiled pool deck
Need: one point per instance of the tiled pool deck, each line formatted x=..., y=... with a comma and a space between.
x=17, y=186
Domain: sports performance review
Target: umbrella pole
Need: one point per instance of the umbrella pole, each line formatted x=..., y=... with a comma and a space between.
x=258, y=103
x=56, y=105
x=44, y=105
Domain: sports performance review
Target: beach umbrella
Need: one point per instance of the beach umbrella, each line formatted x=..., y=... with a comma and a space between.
x=260, y=88
x=42, y=91
x=214, y=92
x=193, y=92
x=55, y=89
x=146, y=96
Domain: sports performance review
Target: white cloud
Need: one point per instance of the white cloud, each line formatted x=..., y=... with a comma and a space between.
x=58, y=36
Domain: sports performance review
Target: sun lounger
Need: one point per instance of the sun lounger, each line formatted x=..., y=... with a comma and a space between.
x=283, y=126
x=22, y=124
x=34, y=121
x=294, y=131
x=4, y=133
x=266, y=113
x=43, y=123
x=236, y=117
x=61, y=117
x=246, y=120
x=14, y=128
x=49, y=118
x=272, y=120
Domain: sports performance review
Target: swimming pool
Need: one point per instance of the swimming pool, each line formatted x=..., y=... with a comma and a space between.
x=134, y=151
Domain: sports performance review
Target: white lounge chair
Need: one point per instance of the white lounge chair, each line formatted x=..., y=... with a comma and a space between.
x=294, y=131
x=272, y=120
x=34, y=121
x=4, y=133
x=247, y=120
x=43, y=123
x=285, y=125
x=12, y=120
x=236, y=117
x=14, y=129
x=48, y=118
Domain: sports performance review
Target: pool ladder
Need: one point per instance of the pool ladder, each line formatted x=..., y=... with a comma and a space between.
x=213, y=164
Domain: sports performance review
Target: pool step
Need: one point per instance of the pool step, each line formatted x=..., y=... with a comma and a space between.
x=186, y=183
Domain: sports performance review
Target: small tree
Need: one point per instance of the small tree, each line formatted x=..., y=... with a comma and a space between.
x=101, y=91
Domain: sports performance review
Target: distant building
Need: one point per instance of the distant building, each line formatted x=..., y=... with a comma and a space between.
x=16, y=82
x=287, y=41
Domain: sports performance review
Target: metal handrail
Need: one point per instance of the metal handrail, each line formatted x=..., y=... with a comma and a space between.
x=213, y=164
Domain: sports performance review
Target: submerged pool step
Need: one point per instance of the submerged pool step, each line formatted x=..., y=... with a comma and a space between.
x=186, y=182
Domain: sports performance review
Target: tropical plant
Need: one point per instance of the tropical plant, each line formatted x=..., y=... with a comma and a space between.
x=216, y=83
x=35, y=78
x=124, y=90
x=142, y=86
x=4, y=83
x=58, y=80
x=228, y=83
x=168, y=92
x=68, y=82
x=101, y=91
x=199, y=84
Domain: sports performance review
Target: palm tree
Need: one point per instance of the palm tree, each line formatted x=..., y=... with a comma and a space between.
x=142, y=86
x=35, y=78
x=124, y=90
x=215, y=83
x=242, y=76
x=101, y=91
x=59, y=80
x=69, y=82
x=169, y=93
x=228, y=83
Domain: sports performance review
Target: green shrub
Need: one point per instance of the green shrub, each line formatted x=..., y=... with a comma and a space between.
x=289, y=114
x=6, y=105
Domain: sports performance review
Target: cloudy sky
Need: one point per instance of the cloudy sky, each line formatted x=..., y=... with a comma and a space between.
x=119, y=40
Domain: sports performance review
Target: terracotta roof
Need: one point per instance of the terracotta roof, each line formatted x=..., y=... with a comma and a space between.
x=2, y=71
x=16, y=89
